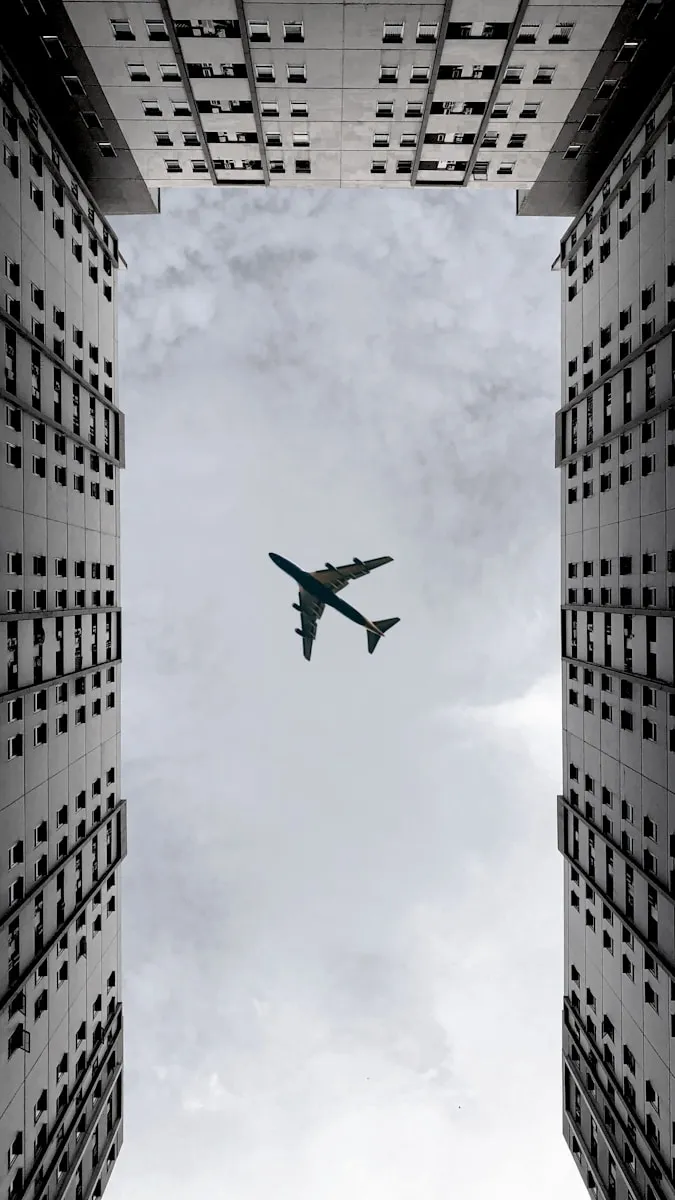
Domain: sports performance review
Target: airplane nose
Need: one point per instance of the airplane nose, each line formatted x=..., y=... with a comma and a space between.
x=275, y=558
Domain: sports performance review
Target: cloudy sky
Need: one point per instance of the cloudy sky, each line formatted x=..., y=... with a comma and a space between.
x=342, y=927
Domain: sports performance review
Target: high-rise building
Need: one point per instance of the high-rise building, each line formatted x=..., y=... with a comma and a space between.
x=616, y=818
x=500, y=94
x=62, y=821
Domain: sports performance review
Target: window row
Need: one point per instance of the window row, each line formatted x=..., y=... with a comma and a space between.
x=392, y=31
x=626, y=690
x=40, y=733
x=14, y=457
x=607, y=597
x=626, y=475
x=650, y=562
x=626, y=718
x=15, y=566
x=16, y=598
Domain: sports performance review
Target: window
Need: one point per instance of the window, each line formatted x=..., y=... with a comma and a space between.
x=156, y=31
x=648, y=198
x=169, y=72
x=385, y=108
x=264, y=73
x=393, y=31
x=259, y=31
x=530, y=111
x=36, y=195
x=419, y=74
x=527, y=34
x=122, y=30
x=628, y=51
x=296, y=73
x=388, y=74
x=427, y=32
x=294, y=31
x=513, y=74
x=151, y=108
x=412, y=109
x=16, y=747
x=506, y=168
x=562, y=33
x=648, y=730
x=138, y=73
x=517, y=141
x=544, y=74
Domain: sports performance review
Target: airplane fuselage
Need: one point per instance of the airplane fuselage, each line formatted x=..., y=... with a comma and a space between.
x=322, y=593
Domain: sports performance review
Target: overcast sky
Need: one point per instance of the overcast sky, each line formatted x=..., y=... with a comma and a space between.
x=342, y=921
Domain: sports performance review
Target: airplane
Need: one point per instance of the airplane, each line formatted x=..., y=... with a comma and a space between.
x=318, y=588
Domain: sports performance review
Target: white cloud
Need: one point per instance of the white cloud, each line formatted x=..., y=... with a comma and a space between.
x=342, y=930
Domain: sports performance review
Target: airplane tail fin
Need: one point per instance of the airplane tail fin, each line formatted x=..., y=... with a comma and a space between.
x=383, y=626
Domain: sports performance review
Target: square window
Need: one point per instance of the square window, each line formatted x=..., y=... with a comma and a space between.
x=544, y=74
x=169, y=72
x=156, y=30
x=426, y=32
x=513, y=74
x=294, y=31
x=138, y=72
x=122, y=30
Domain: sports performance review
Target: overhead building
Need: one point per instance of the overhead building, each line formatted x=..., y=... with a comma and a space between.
x=62, y=819
x=332, y=94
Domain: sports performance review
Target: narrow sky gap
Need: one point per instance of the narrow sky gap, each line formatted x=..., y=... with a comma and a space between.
x=342, y=929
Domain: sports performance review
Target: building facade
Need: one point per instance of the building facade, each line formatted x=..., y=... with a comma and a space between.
x=616, y=819
x=62, y=821
x=498, y=93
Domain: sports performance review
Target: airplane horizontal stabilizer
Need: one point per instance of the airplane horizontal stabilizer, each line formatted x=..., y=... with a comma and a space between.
x=383, y=626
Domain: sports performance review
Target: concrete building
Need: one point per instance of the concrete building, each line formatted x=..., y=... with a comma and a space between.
x=616, y=819
x=496, y=93
x=62, y=822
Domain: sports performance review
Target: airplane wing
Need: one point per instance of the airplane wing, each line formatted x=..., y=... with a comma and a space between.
x=310, y=612
x=337, y=578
